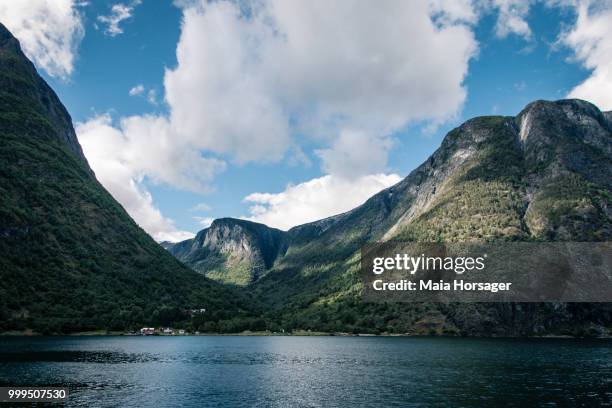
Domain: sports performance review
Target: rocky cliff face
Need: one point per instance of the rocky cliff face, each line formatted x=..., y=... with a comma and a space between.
x=544, y=175
x=231, y=250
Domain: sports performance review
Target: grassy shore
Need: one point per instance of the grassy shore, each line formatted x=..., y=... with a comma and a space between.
x=244, y=333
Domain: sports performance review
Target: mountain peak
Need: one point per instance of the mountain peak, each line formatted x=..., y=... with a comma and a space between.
x=576, y=105
x=217, y=222
x=585, y=117
x=494, y=174
x=544, y=175
x=231, y=250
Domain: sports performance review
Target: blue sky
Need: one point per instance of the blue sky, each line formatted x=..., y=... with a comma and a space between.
x=292, y=129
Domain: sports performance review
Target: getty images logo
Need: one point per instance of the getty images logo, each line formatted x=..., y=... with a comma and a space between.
x=413, y=264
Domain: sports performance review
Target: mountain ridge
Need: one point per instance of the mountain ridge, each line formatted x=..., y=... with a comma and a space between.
x=71, y=258
x=542, y=175
x=518, y=125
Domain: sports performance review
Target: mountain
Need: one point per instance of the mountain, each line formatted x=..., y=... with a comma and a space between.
x=544, y=175
x=231, y=251
x=71, y=259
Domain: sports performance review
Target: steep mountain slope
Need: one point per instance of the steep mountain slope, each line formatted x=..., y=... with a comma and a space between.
x=231, y=251
x=544, y=175
x=71, y=258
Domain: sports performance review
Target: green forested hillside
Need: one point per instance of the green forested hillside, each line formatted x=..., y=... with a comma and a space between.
x=71, y=259
x=545, y=175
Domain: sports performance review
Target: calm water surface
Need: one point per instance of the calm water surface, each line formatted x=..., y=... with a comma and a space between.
x=313, y=371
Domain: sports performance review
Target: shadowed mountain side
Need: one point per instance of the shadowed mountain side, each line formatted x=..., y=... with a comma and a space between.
x=71, y=259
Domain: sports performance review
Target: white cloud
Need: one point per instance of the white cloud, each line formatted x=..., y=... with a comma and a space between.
x=204, y=221
x=49, y=32
x=454, y=11
x=114, y=154
x=512, y=18
x=317, y=69
x=224, y=106
x=250, y=85
x=354, y=154
x=118, y=13
x=140, y=90
x=315, y=199
x=137, y=90
x=591, y=40
x=148, y=147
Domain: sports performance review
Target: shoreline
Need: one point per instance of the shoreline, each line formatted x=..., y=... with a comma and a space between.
x=300, y=333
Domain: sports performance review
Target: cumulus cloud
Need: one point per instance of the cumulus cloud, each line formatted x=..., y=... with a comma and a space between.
x=217, y=97
x=114, y=152
x=254, y=81
x=49, y=32
x=355, y=153
x=512, y=18
x=118, y=13
x=315, y=199
x=591, y=40
x=150, y=149
x=314, y=68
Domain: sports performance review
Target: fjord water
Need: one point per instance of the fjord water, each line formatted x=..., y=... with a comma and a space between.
x=312, y=371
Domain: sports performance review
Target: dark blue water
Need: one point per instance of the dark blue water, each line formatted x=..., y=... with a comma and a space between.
x=313, y=371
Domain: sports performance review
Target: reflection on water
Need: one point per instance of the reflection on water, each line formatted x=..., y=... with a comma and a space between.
x=58, y=356
x=312, y=371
